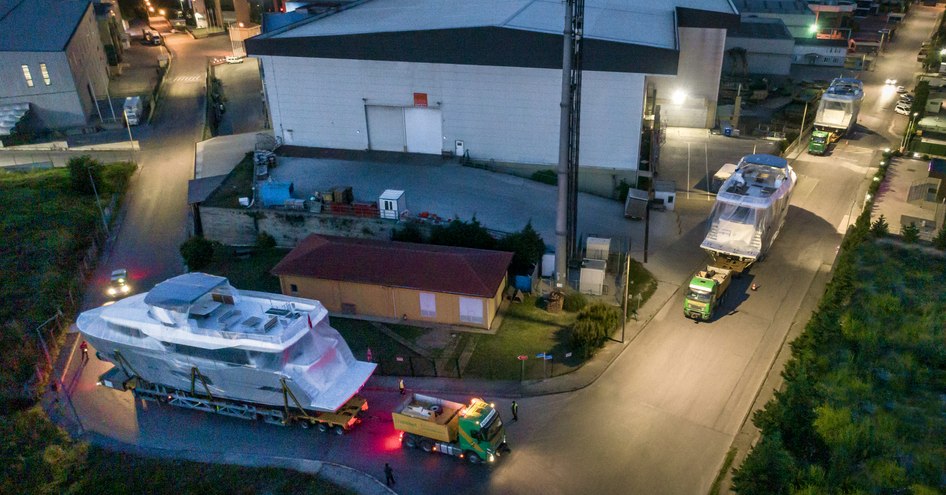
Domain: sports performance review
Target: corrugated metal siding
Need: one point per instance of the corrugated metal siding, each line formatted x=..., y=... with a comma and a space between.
x=505, y=114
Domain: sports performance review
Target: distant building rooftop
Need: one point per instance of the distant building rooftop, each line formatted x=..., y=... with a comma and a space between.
x=39, y=25
x=798, y=7
x=761, y=28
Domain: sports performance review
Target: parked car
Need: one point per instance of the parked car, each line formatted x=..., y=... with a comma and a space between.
x=890, y=81
x=902, y=110
x=901, y=89
x=906, y=97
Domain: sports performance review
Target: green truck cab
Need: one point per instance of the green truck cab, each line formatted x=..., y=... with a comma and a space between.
x=472, y=431
x=706, y=291
x=819, y=142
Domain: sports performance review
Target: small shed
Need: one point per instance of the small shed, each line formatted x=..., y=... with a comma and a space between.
x=721, y=175
x=392, y=204
x=665, y=191
x=275, y=193
x=635, y=206
x=592, y=277
x=597, y=248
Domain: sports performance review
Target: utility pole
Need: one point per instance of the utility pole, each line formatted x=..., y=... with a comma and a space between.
x=97, y=201
x=627, y=278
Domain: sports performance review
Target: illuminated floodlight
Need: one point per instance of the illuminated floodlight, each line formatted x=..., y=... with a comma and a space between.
x=679, y=97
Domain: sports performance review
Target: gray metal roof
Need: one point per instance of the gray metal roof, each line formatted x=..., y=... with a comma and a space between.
x=39, y=25
x=761, y=28
x=178, y=293
x=773, y=6
x=642, y=22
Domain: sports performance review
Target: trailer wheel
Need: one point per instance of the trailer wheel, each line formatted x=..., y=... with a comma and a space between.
x=339, y=430
x=323, y=427
x=473, y=457
x=426, y=446
x=305, y=424
x=409, y=441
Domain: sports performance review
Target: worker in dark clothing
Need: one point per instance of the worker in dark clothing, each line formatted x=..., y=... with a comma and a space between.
x=388, y=474
x=400, y=386
x=84, y=346
x=515, y=411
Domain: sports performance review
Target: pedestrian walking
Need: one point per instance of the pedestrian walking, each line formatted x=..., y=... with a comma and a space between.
x=515, y=411
x=400, y=385
x=388, y=474
x=84, y=346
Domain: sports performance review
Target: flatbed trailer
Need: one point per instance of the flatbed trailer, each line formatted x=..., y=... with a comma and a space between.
x=291, y=412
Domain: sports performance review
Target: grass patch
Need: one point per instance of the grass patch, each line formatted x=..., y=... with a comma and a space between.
x=248, y=272
x=727, y=463
x=407, y=332
x=362, y=335
x=527, y=329
x=238, y=184
x=643, y=285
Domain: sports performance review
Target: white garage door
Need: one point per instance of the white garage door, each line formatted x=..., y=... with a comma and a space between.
x=424, y=130
x=386, y=128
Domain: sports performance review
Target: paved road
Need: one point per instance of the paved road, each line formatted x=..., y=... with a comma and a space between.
x=658, y=421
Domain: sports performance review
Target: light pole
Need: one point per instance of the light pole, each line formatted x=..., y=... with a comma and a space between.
x=98, y=202
x=131, y=140
x=908, y=133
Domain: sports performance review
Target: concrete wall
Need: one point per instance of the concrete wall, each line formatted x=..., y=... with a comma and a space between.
x=765, y=56
x=701, y=59
x=65, y=101
x=501, y=113
x=386, y=302
x=238, y=227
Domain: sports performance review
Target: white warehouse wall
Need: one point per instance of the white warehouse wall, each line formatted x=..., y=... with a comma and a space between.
x=507, y=114
x=698, y=72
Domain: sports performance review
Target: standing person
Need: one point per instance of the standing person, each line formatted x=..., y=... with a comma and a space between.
x=388, y=474
x=400, y=385
x=85, y=351
x=515, y=411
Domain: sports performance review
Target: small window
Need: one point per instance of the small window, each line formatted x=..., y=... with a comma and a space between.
x=45, y=73
x=428, y=305
x=27, y=75
x=293, y=288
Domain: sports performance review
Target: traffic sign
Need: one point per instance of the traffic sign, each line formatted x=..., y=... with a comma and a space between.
x=522, y=357
x=540, y=355
x=548, y=357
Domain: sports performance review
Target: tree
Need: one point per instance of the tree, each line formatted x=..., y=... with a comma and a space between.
x=408, y=233
x=463, y=234
x=939, y=242
x=527, y=246
x=769, y=469
x=910, y=233
x=880, y=228
x=265, y=241
x=197, y=252
x=83, y=170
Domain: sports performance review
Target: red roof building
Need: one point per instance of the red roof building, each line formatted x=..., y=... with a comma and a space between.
x=397, y=280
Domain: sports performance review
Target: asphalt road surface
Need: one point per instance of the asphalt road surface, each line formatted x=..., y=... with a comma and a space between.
x=660, y=420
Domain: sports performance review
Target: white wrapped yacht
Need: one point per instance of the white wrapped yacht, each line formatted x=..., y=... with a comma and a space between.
x=749, y=211
x=255, y=347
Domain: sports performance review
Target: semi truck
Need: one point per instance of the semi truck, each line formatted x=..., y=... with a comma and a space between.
x=472, y=431
x=706, y=291
x=836, y=114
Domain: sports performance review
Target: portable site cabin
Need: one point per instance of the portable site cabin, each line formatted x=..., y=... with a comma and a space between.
x=597, y=248
x=592, y=277
x=392, y=204
x=635, y=207
x=665, y=191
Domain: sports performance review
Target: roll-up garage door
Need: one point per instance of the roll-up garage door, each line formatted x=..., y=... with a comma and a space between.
x=386, y=128
x=424, y=130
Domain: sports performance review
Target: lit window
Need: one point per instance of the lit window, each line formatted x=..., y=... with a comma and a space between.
x=45, y=73
x=27, y=75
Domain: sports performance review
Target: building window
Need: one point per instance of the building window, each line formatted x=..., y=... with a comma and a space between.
x=27, y=75
x=293, y=288
x=471, y=310
x=428, y=305
x=45, y=73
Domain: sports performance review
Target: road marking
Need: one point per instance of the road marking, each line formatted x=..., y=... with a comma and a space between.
x=688, y=170
x=187, y=79
x=842, y=227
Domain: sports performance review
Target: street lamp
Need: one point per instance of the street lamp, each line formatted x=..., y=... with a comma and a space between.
x=813, y=29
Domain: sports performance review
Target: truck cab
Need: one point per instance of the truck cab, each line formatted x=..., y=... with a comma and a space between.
x=481, y=430
x=706, y=290
x=820, y=140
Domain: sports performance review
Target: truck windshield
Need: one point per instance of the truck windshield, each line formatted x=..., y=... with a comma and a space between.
x=492, y=428
x=818, y=139
x=698, y=296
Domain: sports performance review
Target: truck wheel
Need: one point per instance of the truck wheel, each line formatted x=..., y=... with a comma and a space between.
x=426, y=446
x=473, y=457
x=323, y=427
x=339, y=430
x=305, y=424
x=409, y=441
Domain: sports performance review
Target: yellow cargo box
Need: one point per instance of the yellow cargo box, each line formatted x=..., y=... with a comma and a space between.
x=429, y=417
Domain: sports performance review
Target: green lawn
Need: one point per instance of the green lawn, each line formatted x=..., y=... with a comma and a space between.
x=235, y=186
x=362, y=335
x=526, y=330
x=250, y=271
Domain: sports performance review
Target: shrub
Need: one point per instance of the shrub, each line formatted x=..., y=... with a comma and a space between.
x=545, y=177
x=910, y=233
x=880, y=228
x=574, y=301
x=939, y=242
x=265, y=241
x=593, y=326
x=408, y=233
x=463, y=234
x=83, y=171
x=197, y=252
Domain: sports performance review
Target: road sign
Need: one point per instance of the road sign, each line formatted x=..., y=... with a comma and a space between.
x=548, y=357
x=522, y=357
x=399, y=359
x=540, y=355
x=568, y=354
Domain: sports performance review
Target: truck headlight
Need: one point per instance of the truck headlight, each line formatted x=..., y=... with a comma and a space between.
x=492, y=458
x=125, y=289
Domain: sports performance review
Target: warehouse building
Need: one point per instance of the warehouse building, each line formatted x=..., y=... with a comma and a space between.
x=397, y=280
x=484, y=78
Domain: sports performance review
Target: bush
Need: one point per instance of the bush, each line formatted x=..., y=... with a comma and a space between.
x=197, y=253
x=910, y=233
x=574, y=301
x=545, y=176
x=939, y=242
x=527, y=247
x=880, y=228
x=83, y=171
x=463, y=234
x=408, y=233
x=265, y=241
x=593, y=326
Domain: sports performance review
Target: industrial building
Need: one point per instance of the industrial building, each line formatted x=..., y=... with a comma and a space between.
x=484, y=78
